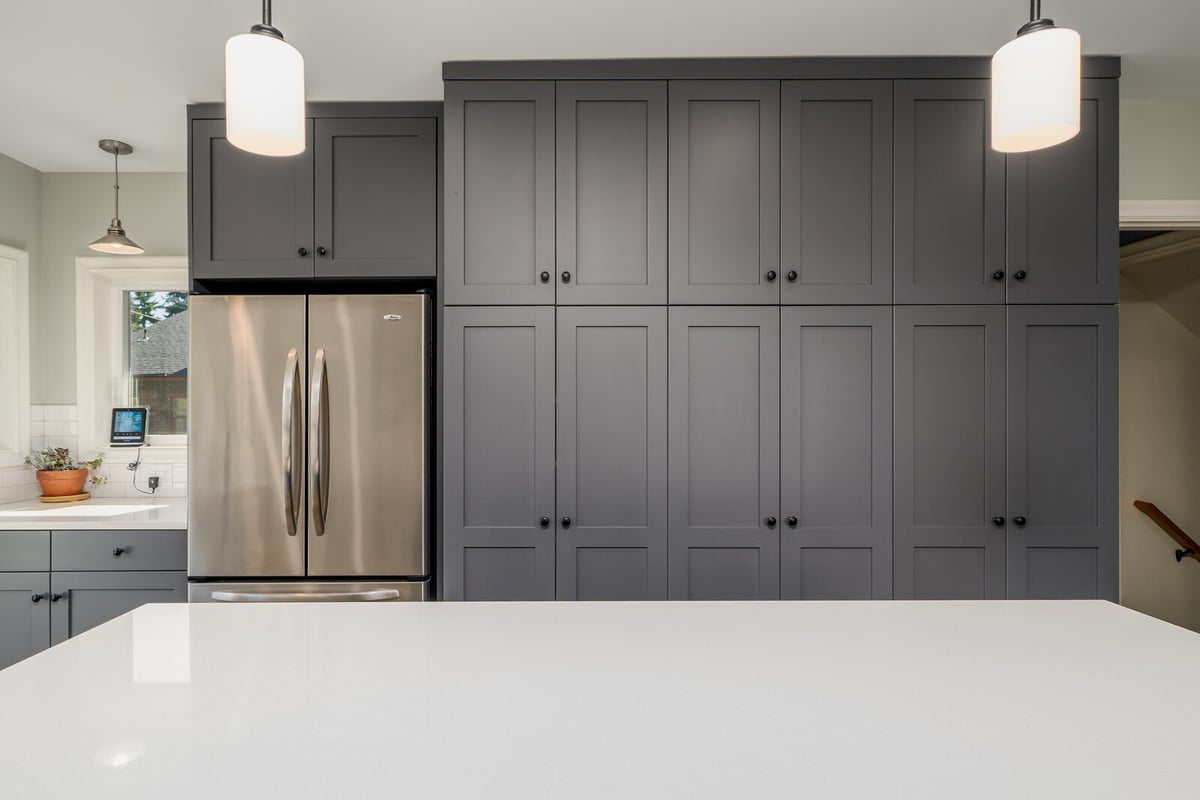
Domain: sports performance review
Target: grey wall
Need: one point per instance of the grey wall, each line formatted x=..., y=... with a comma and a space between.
x=1159, y=156
x=75, y=210
x=21, y=208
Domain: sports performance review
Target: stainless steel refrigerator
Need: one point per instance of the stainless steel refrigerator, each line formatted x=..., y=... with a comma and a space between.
x=308, y=457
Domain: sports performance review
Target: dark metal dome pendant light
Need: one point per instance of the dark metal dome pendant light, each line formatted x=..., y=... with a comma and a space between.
x=1036, y=82
x=264, y=91
x=115, y=241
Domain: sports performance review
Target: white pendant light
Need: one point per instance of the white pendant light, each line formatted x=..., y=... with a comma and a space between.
x=264, y=91
x=1035, y=86
x=115, y=241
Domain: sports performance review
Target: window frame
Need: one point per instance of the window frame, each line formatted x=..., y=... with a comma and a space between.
x=102, y=284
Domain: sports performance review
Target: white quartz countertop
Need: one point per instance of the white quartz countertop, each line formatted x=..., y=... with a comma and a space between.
x=96, y=513
x=608, y=700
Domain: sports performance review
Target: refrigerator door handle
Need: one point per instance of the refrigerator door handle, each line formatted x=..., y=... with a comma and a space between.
x=370, y=596
x=291, y=402
x=319, y=444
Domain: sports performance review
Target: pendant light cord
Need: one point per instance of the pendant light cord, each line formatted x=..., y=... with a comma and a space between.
x=267, y=12
x=1035, y=10
x=116, y=185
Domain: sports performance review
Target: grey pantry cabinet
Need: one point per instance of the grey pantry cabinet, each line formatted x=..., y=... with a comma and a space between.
x=55, y=585
x=361, y=201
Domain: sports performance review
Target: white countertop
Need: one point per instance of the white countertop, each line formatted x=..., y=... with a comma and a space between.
x=606, y=700
x=113, y=513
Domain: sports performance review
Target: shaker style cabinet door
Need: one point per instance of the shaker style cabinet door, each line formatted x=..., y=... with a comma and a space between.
x=1062, y=211
x=836, y=192
x=80, y=601
x=612, y=192
x=949, y=195
x=376, y=197
x=1062, y=452
x=949, y=459
x=724, y=192
x=24, y=622
x=498, y=468
x=499, y=222
x=251, y=215
x=612, y=453
x=723, y=460
x=836, y=453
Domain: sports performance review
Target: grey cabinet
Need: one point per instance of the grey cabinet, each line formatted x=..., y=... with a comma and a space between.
x=612, y=192
x=375, y=197
x=836, y=453
x=82, y=600
x=499, y=193
x=612, y=453
x=119, y=551
x=251, y=215
x=24, y=614
x=836, y=192
x=1062, y=452
x=498, y=456
x=723, y=444
x=724, y=192
x=949, y=536
x=1062, y=211
x=949, y=195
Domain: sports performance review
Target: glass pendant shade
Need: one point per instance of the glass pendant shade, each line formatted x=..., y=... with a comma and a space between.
x=264, y=95
x=1035, y=90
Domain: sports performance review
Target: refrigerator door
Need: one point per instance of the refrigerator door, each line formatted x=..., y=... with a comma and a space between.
x=368, y=435
x=246, y=439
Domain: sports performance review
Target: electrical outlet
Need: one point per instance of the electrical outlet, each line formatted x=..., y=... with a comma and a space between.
x=153, y=481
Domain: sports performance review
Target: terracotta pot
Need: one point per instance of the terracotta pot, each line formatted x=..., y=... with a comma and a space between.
x=62, y=482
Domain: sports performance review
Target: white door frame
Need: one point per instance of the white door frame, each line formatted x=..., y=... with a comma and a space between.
x=1159, y=214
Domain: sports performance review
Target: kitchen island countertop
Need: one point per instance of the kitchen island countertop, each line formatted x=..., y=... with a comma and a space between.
x=1036, y=699
x=116, y=513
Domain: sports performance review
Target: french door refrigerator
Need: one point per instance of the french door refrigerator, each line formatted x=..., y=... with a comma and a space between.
x=308, y=453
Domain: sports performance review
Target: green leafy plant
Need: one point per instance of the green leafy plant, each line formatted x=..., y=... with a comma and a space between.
x=57, y=459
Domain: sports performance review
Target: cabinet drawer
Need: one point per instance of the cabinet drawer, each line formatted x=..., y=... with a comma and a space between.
x=24, y=551
x=87, y=551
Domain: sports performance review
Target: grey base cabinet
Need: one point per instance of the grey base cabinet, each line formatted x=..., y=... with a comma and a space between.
x=87, y=599
x=24, y=615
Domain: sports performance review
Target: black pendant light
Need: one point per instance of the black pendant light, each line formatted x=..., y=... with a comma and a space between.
x=115, y=241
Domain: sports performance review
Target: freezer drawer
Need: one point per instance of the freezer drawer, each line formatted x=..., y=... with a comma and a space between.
x=308, y=592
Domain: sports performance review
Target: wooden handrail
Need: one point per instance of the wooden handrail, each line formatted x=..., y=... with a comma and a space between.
x=1189, y=547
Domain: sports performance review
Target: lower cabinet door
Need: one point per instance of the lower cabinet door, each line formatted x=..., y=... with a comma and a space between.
x=723, y=440
x=24, y=615
x=836, y=453
x=949, y=453
x=612, y=453
x=1062, y=452
x=82, y=600
x=498, y=469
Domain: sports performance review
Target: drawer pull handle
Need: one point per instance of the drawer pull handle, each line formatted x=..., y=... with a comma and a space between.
x=117, y=551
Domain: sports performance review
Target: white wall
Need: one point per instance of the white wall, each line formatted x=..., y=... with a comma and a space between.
x=1160, y=457
x=1160, y=148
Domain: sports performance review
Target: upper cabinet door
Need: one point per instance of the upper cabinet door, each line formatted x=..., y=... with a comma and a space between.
x=1062, y=211
x=723, y=453
x=1062, y=453
x=252, y=215
x=612, y=453
x=836, y=192
x=949, y=195
x=612, y=192
x=724, y=197
x=376, y=197
x=949, y=453
x=836, y=453
x=500, y=193
x=498, y=464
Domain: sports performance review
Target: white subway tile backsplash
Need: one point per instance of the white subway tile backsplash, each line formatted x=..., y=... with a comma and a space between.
x=59, y=413
x=17, y=476
x=61, y=427
x=179, y=472
x=37, y=427
x=69, y=442
x=37, y=413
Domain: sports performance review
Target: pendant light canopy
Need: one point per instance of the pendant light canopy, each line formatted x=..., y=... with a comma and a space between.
x=1035, y=86
x=115, y=241
x=264, y=91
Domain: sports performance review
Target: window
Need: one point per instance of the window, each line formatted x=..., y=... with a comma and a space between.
x=157, y=358
x=132, y=348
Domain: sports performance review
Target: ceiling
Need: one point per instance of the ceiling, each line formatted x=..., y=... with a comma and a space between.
x=75, y=71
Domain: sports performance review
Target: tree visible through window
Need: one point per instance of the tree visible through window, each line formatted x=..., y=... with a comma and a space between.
x=158, y=358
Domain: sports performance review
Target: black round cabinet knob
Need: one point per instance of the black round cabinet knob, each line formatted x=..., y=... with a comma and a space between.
x=117, y=551
x=54, y=598
x=39, y=597
x=1019, y=275
x=322, y=251
x=792, y=522
x=1019, y=522
x=998, y=275
x=303, y=251
x=771, y=276
x=566, y=522
x=998, y=522
x=566, y=277
x=771, y=522
x=545, y=276
x=792, y=276
x=544, y=522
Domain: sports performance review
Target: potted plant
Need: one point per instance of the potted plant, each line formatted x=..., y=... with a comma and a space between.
x=58, y=473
